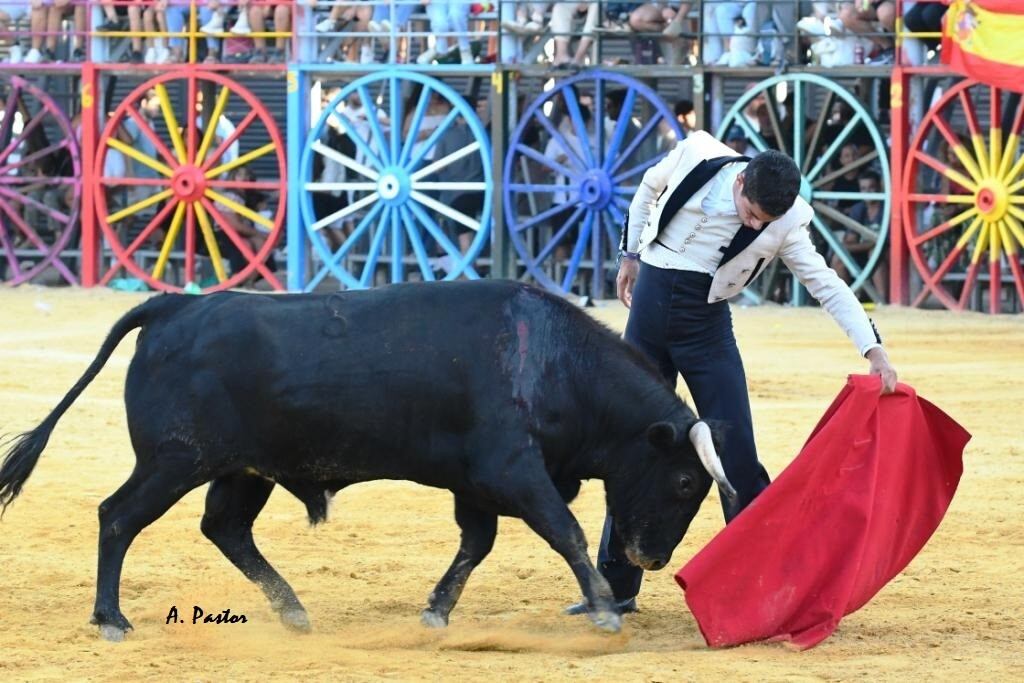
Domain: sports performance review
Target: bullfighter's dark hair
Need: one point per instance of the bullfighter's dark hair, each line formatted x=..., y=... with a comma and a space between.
x=772, y=181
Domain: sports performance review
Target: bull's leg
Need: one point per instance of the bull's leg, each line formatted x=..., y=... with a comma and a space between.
x=232, y=505
x=478, y=531
x=150, y=491
x=536, y=500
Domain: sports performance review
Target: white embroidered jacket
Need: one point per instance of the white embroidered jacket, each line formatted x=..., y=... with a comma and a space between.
x=786, y=237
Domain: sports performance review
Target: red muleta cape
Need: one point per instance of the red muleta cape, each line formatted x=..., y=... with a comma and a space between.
x=849, y=513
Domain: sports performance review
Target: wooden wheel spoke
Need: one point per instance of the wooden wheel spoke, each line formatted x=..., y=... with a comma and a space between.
x=138, y=156
x=819, y=126
x=34, y=156
x=975, y=131
x=140, y=205
x=169, y=239
x=240, y=209
x=945, y=226
x=172, y=122
x=211, y=242
x=147, y=131
x=210, y=133
x=242, y=160
x=945, y=170
x=239, y=242
x=772, y=108
x=226, y=143
x=969, y=163
x=26, y=200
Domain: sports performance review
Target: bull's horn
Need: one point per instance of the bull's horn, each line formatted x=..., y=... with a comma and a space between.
x=700, y=437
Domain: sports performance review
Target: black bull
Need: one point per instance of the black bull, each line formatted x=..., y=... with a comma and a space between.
x=501, y=393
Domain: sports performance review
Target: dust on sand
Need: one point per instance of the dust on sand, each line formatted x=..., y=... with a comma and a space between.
x=955, y=613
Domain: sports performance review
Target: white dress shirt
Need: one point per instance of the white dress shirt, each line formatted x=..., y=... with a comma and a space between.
x=693, y=237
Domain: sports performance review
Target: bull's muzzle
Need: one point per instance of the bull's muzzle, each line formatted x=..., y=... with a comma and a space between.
x=650, y=564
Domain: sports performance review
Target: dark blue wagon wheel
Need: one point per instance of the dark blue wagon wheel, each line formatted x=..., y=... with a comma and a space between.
x=571, y=171
x=393, y=216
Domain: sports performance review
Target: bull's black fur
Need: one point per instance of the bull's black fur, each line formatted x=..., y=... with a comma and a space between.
x=497, y=391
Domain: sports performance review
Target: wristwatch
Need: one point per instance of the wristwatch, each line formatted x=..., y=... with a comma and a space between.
x=628, y=256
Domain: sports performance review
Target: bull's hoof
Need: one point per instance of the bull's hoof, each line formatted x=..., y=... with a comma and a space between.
x=296, y=619
x=606, y=621
x=111, y=633
x=432, y=619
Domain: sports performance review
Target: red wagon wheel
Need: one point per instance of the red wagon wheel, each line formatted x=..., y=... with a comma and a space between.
x=40, y=183
x=963, y=197
x=184, y=198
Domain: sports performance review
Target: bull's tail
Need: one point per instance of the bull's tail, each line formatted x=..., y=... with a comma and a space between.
x=26, y=448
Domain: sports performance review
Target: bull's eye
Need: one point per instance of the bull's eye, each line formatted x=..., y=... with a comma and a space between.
x=687, y=486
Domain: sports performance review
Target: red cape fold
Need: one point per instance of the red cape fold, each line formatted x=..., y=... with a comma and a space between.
x=851, y=511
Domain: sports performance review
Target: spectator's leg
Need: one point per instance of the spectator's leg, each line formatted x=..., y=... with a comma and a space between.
x=37, y=27
x=257, y=24
x=437, y=11
x=647, y=19
x=175, y=18
x=54, y=18
x=718, y=25
x=458, y=22
x=587, y=39
x=561, y=25
x=282, y=24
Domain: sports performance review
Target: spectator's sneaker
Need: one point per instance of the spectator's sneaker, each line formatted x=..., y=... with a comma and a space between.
x=214, y=25
x=163, y=56
x=258, y=57
x=367, y=55
x=78, y=55
x=238, y=58
x=48, y=56
x=382, y=26
x=450, y=57
x=466, y=56
x=426, y=57
x=241, y=27
x=275, y=56
x=135, y=57
x=150, y=57
x=533, y=27
x=16, y=55
x=34, y=56
x=328, y=25
x=887, y=56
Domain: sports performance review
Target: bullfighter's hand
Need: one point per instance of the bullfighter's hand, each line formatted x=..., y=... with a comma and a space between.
x=626, y=280
x=881, y=366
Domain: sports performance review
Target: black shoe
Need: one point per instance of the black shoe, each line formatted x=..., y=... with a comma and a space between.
x=625, y=607
x=112, y=25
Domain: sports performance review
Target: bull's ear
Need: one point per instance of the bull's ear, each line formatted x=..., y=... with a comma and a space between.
x=662, y=435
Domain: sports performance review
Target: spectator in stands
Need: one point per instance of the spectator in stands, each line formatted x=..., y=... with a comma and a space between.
x=721, y=20
x=867, y=213
x=736, y=140
x=869, y=18
x=243, y=230
x=10, y=16
x=120, y=18
x=923, y=17
x=847, y=182
x=468, y=169
x=356, y=17
x=214, y=13
x=165, y=17
x=448, y=17
x=529, y=18
x=258, y=14
x=46, y=18
x=149, y=110
x=556, y=151
x=562, y=15
x=660, y=17
x=395, y=13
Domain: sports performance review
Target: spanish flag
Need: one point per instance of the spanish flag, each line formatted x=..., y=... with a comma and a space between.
x=984, y=39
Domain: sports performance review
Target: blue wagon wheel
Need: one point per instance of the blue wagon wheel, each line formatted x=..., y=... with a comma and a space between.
x=568, y=181
x=392, y=208
x=811, y=119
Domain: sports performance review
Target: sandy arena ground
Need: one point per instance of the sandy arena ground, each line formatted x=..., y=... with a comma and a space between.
x=954, y=614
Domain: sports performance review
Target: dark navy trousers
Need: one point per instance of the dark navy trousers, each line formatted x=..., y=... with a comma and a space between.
x=673, y=324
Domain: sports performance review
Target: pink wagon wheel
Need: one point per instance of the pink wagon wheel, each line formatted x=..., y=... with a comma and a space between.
x=184, y=199
x=964, y=198
x=40, y=183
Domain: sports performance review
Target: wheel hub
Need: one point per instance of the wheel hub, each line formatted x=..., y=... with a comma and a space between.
x=596, y=189
x=992, y=199
x=393, y=186
x=189, y=183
